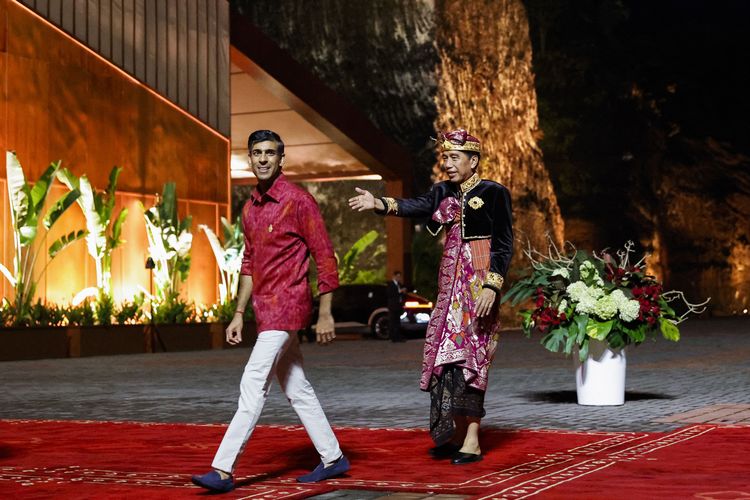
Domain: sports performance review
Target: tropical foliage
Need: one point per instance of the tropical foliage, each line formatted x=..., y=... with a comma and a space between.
x=580, y=296
x=228, y=252
x=103, y=234
x=27, y=203
x=350, y=273
x=169, y=242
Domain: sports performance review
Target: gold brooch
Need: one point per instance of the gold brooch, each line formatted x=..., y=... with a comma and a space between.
x=476, y=203
x=270, y=228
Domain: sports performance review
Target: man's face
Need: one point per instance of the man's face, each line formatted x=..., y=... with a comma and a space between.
x=458, y=165
x=265, y=160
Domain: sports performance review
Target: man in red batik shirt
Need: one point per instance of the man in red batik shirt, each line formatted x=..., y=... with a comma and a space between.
x=282, y=226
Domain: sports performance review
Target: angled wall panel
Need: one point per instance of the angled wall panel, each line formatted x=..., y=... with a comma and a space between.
x=178, y=48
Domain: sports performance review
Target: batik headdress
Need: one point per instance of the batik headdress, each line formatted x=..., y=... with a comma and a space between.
x=459, y=140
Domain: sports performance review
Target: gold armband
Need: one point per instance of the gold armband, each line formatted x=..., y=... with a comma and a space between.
x=494, y=281
x=391, y=205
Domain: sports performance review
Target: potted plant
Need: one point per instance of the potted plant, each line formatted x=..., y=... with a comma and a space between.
x=596, y=304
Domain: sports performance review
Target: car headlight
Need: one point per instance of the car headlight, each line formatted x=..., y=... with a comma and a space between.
x=422, y=317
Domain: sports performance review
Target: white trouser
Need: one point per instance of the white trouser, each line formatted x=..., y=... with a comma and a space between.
x=275, y=352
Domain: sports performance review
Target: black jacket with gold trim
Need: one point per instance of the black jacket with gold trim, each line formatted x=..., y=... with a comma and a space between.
x=486, y=212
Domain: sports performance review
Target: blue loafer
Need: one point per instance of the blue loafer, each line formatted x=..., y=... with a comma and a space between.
x=321, y=472
x=212, y=481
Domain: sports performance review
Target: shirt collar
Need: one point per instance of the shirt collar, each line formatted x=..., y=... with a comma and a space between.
x=470, y=183
x=274, y=192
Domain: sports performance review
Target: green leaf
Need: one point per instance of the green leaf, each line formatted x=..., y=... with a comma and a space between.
x=583, y=351
x=346, y=267
x=572, y=339
x=523, y=295
x=8, y=275
x=60, y=207
x=526, y=322
x=114, y=174
x=168, y=207
x=553, y=340
x=598, y=330
x=185, y=224
x=64, y=242
x=117, y=228
x=215, y=246
x=227, y=229
x=582, y=323
x=41, y=187
x=18, y=190
x=669, y=330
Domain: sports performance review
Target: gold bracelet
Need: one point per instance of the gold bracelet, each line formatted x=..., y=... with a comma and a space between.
x=494, y=281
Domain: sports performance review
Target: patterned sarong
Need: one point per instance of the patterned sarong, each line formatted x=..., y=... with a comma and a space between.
x=455, y=335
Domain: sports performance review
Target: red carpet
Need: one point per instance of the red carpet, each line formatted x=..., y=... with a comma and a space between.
x=60, y=459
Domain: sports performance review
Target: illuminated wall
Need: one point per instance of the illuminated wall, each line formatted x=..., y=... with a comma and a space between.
x=62, y=101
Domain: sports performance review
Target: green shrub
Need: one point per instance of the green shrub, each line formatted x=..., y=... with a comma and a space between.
x=130, y=312
x=80, y=315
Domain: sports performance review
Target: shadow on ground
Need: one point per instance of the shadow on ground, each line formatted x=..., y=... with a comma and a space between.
x=570, y=396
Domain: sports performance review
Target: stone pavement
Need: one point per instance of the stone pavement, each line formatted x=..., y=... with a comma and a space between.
x=369, y=383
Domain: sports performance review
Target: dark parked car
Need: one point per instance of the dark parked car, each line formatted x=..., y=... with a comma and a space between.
x=363, y=308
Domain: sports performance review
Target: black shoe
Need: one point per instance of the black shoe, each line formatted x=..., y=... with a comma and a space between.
x=465, y=458
x=446, y=450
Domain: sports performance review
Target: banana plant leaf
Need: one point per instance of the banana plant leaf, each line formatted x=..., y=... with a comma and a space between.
x=60, y=207
x=64, y=241
x=216, y=246
x=168, y=206
x=114, y=241
x=8, y=275
x=357, y=248
x=41, y=187
x=19, y=194
x=114, y=175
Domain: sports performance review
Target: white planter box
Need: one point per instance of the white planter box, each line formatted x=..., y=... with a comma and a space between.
x=600, y=379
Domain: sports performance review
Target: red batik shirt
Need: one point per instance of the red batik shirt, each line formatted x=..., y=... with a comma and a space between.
x=283, y=226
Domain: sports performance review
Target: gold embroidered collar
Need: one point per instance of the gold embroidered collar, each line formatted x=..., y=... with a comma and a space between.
x=470, y=183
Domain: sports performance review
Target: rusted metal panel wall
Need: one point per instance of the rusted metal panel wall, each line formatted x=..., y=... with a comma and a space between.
x=58, y=100
x=178, y=48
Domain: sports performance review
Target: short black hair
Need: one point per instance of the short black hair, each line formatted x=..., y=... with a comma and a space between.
x=265, y=135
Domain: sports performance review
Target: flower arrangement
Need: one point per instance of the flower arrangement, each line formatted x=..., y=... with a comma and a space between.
x=580, y=296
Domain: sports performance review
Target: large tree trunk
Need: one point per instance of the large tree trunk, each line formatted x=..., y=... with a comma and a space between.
x=485, y=85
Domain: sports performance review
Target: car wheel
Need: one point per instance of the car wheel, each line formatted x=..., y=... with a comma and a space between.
x=380, y=328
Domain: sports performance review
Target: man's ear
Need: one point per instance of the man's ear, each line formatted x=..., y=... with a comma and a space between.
x=474, y=162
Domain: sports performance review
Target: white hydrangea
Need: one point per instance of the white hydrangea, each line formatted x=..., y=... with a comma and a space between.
x=561, y=271
x=628, y=308
x=606, y=307
x=584, y=296
x=563, y=305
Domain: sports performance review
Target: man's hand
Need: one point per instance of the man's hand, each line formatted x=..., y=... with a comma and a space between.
x=485, y=301
x=324, y=329
x=365, y=201
x=234, y=330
